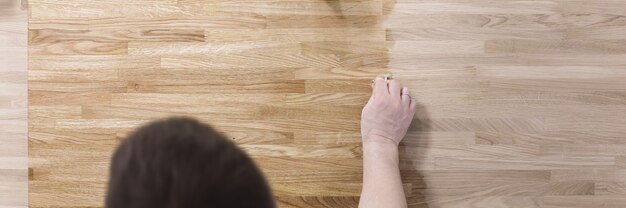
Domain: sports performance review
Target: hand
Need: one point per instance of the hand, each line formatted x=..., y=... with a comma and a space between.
x=387, y=115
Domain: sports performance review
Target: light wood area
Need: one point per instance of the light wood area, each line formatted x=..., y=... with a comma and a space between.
x=13, y=110
x=521, y=103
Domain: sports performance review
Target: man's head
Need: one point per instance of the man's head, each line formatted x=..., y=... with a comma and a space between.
x=180, y=162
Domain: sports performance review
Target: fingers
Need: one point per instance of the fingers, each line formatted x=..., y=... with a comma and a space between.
x=380, y=87
x=395, y=89
x=406, y=98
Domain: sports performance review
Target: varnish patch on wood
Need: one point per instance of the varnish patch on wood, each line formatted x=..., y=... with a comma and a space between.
x=287, y=92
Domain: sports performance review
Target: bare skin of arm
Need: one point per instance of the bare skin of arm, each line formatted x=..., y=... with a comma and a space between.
x=384, y=123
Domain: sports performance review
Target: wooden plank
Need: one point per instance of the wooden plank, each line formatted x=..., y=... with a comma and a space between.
x=300, y=34
x=317, y=201
x=79, y=48
x=361, y=7
x=563, y=47
x=115, y=36
x=583, y=201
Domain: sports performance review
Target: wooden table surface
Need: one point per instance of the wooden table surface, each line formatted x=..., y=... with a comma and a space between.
x=521, y=103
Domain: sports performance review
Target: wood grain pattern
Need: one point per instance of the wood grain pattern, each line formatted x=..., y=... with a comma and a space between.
x=13, y=105
x=522, y=103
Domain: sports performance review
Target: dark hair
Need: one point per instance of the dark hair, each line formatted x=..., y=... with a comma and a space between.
x=180, y=162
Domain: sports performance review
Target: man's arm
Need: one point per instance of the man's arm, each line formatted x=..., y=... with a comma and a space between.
x=382, y=185
x=384, y=122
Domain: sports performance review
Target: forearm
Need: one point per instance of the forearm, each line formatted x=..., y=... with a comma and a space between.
x=382, y=184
